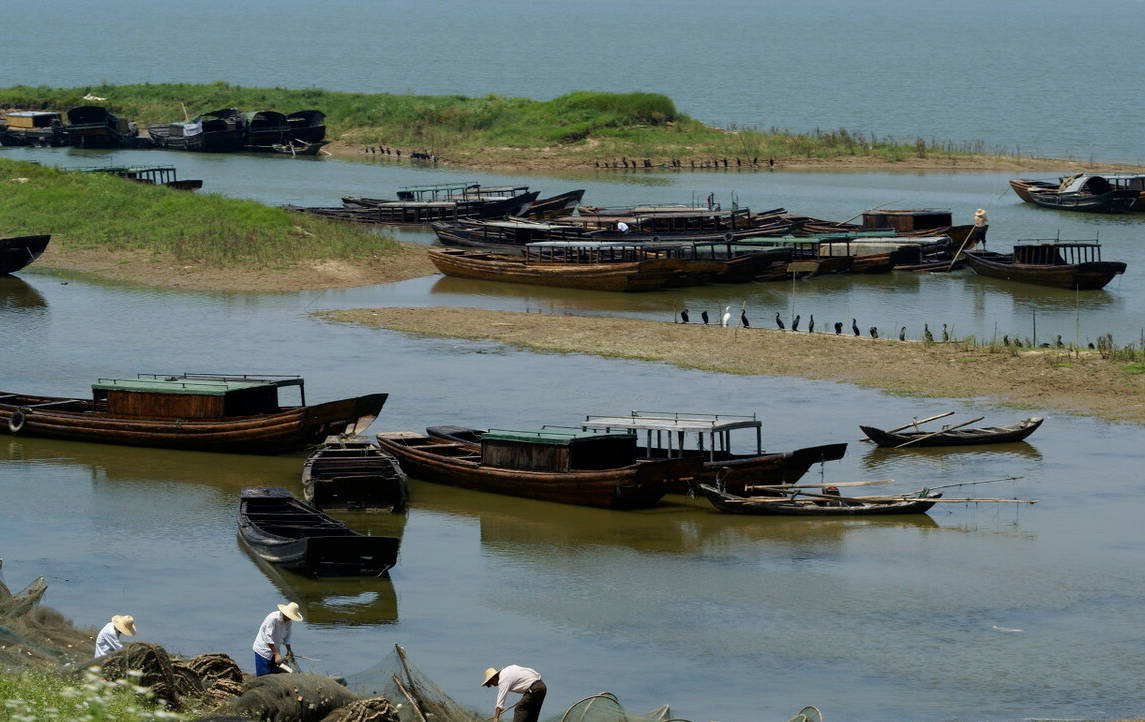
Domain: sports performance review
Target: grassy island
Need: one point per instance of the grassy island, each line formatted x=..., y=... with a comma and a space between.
x=581, y=129
x=124, y=230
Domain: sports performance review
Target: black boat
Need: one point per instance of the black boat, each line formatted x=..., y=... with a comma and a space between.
x=15, y=253
x=217, y=131
x=560, y=205
x=955, y=437
x=264, y=129
x=41, y=128
x=93, y=126
x=1061, y=264
x=1086, y=193
x=818, y=505
x=294, y=535
x=350, y=472
x=308, y=126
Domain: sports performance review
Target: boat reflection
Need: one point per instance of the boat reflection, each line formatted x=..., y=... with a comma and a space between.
x=330, y=602
x=679, y=525
x=879, y=458
x=16, y=294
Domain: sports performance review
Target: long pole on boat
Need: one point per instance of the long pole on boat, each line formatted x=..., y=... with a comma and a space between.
x=936, y=433
x=916, y=422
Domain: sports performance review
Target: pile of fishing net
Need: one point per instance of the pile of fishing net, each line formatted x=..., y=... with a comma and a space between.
x=38, y=637
x=418, y=699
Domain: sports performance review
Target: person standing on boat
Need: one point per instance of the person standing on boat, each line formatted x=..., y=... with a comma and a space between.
x=525, y=682
x=978, y=232
x=107, y=641
x=622, y=227
x=274, y=635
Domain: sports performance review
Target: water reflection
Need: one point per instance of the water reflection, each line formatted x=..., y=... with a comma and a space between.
x=16, y=294
x=329, y=602
x=879, y=458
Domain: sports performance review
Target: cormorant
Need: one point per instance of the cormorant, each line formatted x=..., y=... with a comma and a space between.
x=779, y=321
x=811, y=324
x=1059, y=341
x=945, y=334
x=684, y=316
x=927, y=334
x=743, y=318
x=1091, y=346
x=902, y=334
x=838, y=327
x=1005, y=340
x=874, y=332
x=795, y=323
x=1018, y=342
x=855, y=327
x=704, y=317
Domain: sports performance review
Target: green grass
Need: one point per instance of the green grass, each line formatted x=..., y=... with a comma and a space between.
x=585, y=124
x=1134, y=369
x=41, y=695
x=95, y=210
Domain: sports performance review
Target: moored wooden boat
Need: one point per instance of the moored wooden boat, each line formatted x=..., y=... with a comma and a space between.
x=216, y=131
x=1105, y=193
x=350, y=472
x=93, y=126
x=595, y=273
x=426, y=207
x=204, y=412
x=294, y=535
x=816, y=506
x=308, y=126
x=18, y=251
x=262, y=129
x=163, y=175
x=1061, y=264
x=554, y=206
x=42, y=128
x=955, y=437
x=588, y=469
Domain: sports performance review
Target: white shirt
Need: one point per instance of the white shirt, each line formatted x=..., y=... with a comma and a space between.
x=622, y=227
x=275, y=629
x=514, y=679
x=107, y=641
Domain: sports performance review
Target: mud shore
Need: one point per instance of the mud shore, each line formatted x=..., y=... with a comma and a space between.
x=1074, y=382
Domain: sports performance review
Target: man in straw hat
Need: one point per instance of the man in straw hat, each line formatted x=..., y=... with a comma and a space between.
x=978, y=232
x=273, y=635
x=525, y=682
x=107, y=641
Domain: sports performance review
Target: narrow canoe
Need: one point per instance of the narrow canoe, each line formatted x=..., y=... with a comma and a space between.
x=842, y=506
x=294, y=535
x=349, y=472
x=18, y=252
x=620, y=276
x=956, y=437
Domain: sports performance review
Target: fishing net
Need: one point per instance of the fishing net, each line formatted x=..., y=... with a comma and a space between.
x=290, y=698
x=219, y=675
x=152, y=668
x=35, y=636
x=418, y=699
x=365, y=710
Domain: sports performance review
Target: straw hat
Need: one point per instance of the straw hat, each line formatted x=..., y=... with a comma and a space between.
x=124, y=624
x=980, y=213
x=291, y=610
x=490, y=673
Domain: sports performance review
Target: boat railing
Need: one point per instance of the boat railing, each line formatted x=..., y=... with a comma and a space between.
x=1056, y=252
x=278, y=380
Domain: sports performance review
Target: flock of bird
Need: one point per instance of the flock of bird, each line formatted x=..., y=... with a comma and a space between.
x=873, y=331
x=725, y=320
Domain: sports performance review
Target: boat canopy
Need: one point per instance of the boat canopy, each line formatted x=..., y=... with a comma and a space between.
x=1083, y=183
x=676, y=425
x=557, y=450
x=550, y=436
x=175, y=386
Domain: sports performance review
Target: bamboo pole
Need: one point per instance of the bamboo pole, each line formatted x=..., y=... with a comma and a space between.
x=920, y=421
x=936, y=433
x=782, y=487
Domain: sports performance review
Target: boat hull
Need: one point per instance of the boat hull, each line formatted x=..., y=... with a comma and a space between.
x=353, y=477
x=784, y=506
x=290, y=429
x=624, y=276
x=637, y=486
x=18, y=252
x=1081, y=276
x=956, y=437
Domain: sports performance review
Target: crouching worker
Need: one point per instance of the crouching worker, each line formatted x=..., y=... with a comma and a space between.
x=273, y=638
x=107, y=641
x=525, y=682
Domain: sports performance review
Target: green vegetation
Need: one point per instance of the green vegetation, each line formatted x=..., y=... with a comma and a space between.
x=1134, y=369
x=97, y=210
x=585, y=125
x=42, y=695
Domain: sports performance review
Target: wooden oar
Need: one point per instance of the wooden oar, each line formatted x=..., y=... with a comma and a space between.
x=936, y=433
x=913, y=423
x=781, y=487
x=973, y=483
x=975, y=501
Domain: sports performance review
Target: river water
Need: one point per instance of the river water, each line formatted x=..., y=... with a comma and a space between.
x=971, y=612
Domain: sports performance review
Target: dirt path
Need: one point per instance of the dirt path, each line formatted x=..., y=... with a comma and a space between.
x=1082, y=383
x=151, y=269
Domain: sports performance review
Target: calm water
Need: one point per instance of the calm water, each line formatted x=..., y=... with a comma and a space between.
x=1052, y=77
x=725, y=618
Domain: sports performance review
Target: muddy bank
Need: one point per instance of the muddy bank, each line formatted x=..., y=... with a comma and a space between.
x=163, y=269
x=556, y=158
x=1082, y=383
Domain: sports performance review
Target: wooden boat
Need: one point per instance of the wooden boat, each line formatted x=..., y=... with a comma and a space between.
x=160, y=175
x=19, y=251
x=419, y=205
x=668, y=436
x=93, y=126
x=538, y=267
x=1061, y=264
x=217, y=131
x=1085, y=192
x=955, y=437
x=554, y=206
x=815, y=506
x=588, y=469
x=262, y=129
x=307, y=126
x=41, y=128
x=350, y=472
x=204, y=412
x=298, y=147
x=294, y=535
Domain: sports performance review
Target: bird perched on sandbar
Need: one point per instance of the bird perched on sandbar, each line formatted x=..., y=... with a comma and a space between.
x=743, y=318
x=811, y=324
x=855, y=327
x=684, y=316
x=874, y=332
x=779, y=321
x=726, y=317
x=902, y=334
x=927, y=334
x=945, y=334
x=795, y=323
x=704, y=317
x=838, y=327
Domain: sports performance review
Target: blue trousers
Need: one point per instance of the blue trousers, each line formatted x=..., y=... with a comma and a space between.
x=262, y=665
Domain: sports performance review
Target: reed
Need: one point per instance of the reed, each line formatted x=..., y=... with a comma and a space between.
x=96, y=210
x=45, y=695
